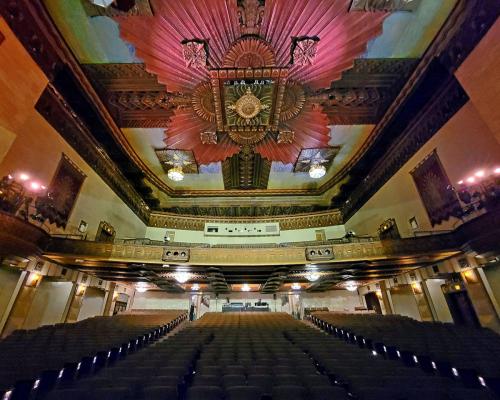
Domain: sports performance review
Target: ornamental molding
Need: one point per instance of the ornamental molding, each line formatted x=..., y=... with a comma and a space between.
x=287, y=222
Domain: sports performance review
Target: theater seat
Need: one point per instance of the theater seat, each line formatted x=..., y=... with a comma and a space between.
x=244, y=393
x=329, y=393
x=289, y=392
x=160, y=393
x=205, y=393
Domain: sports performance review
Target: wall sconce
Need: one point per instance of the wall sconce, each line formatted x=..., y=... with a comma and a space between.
x=379, y=294
x=417, y=288
x=81, y=290
x=470, y=276
x=33, y=279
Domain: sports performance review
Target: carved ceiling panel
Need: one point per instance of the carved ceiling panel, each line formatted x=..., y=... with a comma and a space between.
x=384, y=5
x=246, y=170
x=308, y=157
x=177, y=158
x=121, y=8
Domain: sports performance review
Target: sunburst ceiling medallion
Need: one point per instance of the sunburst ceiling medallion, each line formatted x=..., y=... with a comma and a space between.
x=248, y=66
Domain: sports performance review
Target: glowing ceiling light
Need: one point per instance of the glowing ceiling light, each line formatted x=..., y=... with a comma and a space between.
x=460, y=182
x=175, y=174
x=296, y=286
x=471, y=179
x=351, y=287
x=195, y=287
x=182, y=277
x=497, y=170
x=312, y=276
x=35, y=186
x=24, y=177
x=480, y=173
x=245, y=288
x=317, y=171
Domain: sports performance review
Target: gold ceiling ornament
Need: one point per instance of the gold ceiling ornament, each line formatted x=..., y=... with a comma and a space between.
x=176, y=174
x=248, y=106
x=249, y=52
x=293, y=101
x=285, y=137
x=247, y=135
x=203, y=102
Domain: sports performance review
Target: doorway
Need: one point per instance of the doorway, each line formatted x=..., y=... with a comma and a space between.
x=373, y=303
x=461, y=308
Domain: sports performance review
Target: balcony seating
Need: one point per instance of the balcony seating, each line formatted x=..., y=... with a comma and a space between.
x=33, y=360
x=446, y=349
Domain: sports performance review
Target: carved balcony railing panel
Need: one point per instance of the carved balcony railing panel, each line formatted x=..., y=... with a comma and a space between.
x=19, y=237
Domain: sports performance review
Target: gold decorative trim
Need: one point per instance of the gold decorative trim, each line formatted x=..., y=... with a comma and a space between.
x=287, y=222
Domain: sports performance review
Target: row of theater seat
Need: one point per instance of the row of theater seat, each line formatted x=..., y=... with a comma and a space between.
x=231, y=356
x=33, y=361
x=440, y=350
x=257, y=356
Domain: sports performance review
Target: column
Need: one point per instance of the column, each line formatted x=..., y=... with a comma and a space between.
x=20, y=302
x=75, y=303
x=422, y=302
x=481, y=301
x=110, y=299
x=386, y=298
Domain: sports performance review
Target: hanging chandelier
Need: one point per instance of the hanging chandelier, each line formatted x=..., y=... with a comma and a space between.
x=317, y=171
x=175, y=174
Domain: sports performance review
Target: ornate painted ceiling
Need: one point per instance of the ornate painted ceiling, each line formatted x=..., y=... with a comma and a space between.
x=246, y=96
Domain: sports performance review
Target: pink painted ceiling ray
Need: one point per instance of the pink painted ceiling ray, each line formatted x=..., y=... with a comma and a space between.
x=343, y=35
x=157, y=39
x=184, y=131
x=311, y=131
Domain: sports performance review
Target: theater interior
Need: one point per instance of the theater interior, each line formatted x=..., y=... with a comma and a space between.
x=249, y=199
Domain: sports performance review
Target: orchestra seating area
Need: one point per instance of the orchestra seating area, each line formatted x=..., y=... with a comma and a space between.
x=458, y=352
x=260, y=356
x=34, y=360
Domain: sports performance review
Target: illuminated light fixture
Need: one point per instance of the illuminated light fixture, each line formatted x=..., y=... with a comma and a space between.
x=35, y=186
x=351, y=287
x=182, y=276
x=317, y=171
x=23, y=177
x=471, y=179
x=165, y=266
x=481, y=381
x=460, y=182
x=296, y=286
x=457, y=287
x=497, y=170
x=175, y=174
x=81, y=290
x=102, y=3
x=480, y=173
x=245, y=288
x=455, y=372
x=195, y=287
x=141, y=287
x=312, y=276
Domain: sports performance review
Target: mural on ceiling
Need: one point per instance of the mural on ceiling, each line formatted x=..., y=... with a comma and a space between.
x=435, y=189
x=256, y=71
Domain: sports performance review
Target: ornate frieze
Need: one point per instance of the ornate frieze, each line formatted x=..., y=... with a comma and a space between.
x=384, y=5
x=285, y=137
x=208, y=137
x=249, y=52
x=250, y=15
x=195, y=53
x=303, y=50
x=288, y=222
